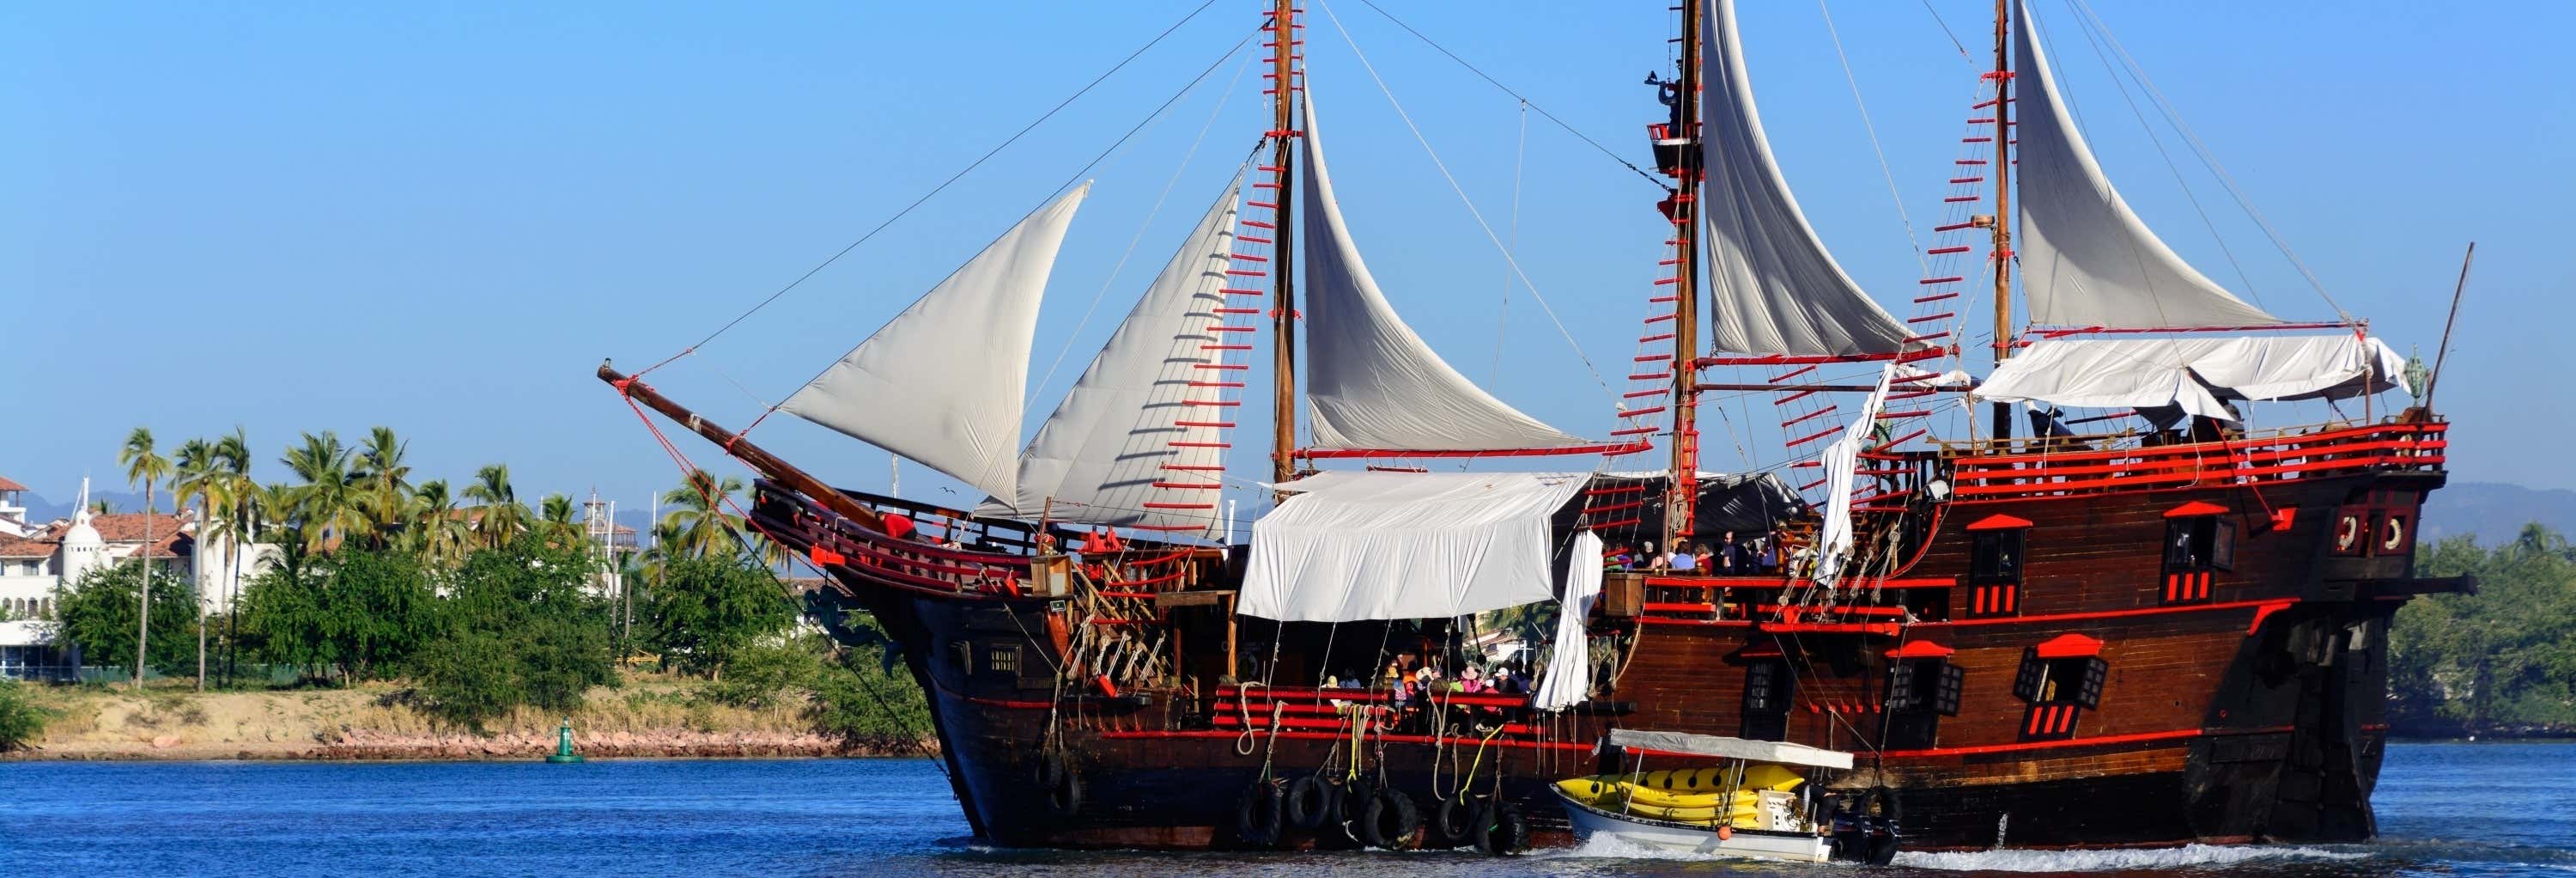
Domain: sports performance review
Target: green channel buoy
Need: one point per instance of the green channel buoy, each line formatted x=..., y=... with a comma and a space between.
x=563, y=745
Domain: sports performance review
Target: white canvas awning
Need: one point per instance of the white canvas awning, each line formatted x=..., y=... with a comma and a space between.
x=2193, y=373
x=1356, y=546
x=1722, y=747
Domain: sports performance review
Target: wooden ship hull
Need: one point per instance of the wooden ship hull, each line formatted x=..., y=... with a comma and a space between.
x=2238, y=702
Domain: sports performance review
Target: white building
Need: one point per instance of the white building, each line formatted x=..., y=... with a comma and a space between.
x=37, y=559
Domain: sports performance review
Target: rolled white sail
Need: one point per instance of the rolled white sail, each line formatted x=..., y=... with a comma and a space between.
x=2086, y=258
x=942, y=382
x=1773, y=287
x=2194, y=374
x=1371, y=383
x=1842, y=465
x=1118, y=431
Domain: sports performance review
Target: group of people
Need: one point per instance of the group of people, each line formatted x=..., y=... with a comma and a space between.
x=1416, y=688
x=1729, y=556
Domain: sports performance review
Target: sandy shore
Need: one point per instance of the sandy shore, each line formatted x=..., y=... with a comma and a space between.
x=655, y=719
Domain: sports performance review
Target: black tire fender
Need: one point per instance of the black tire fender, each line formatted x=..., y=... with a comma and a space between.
x=1308, y=801
x=1390, y=821
x=1256, y=815
x=1059, y=785
x=1500, y=830
x=1451, y=823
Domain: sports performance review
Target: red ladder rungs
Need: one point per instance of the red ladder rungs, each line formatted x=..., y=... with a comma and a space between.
x=1200, y=444
x=1635, y=431
x=1650, y=376
x=1935, y=297
x=1802, y=440
x=1927, y=318
x=1222, y=425
x=1247, y=257
x=1640, y=394
x=1240, y=291
x=1194, y=468
x=1929, y=281
x=1262, y=204
x=1652, y=358
x=1639, y=413
x=1191, y=486
x=1955, y=181
x=1810, y=486
x=1890, y=416
x=1658, y=300
x=1793, y=373
x=1260, y=225
x=1248, y=239
x=1808, y=416
x=1225, y=347
x=1968, y=161
x=1237, y=310
x=1216, y=384
x=1794, y=397
x=1655, y=338
x=1962, y=199
x=1659, y=318
x=1213, y=403
x=1945, y=251
x=1224, y=328
x=1229, y=367
x=1247, y=272
x=1180, y=506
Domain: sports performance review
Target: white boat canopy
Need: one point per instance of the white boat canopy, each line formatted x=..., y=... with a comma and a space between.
x=2086, y=258
x=1361, y=546
x=942, y=382
x=1722, y=747
x=2193, y=373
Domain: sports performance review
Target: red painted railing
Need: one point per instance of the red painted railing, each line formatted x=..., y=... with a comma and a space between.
x=1980, y=474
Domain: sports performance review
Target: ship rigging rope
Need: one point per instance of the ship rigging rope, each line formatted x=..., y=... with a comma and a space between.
x=1223, y=97
x=1498, y=85
x=1479, y=216
x=2201, y=149
x=1893, y=195
x=953, y=178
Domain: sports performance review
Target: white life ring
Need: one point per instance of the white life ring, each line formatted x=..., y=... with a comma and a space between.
x=2393, y=536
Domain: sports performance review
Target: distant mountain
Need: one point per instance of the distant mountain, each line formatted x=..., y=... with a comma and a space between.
x=2495, y=512
x=41, y=510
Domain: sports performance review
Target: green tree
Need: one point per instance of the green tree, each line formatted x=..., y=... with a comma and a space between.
x=707, y=611
x=145, y=466
x=503, y=517
x=699, y=525
x=384, y=485
x=518, y=627
x=555, y=523
x=103, y=613
x=360, y=614
x=21, y=721
x=438, y=528
x=237, y=528
x=2502, y=657
x=200, y=481
x=328, y=508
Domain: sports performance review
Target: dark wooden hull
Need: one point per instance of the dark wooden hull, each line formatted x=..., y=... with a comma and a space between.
x=2253, y=712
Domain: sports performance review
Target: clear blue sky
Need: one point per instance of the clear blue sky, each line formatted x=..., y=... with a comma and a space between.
x=439, y=217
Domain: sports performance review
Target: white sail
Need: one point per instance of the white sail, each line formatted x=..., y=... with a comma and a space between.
x=1098, y=457
x=2086, y=258
x=1371, y=383
x=942, y=382
x=1773, y=287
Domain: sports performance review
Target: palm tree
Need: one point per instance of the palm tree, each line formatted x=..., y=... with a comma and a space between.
x=232, y=453
x=698, y=525
x=437, y=532
x=201, y=478
x=143, y=465
x=503, y=516
x=386, y=482
x=326, y=507
x=554, y=519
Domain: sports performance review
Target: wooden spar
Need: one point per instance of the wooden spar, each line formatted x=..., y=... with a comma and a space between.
x=1283, y=262
x=2444, y=352
x=2002, y=229
x=741, y=449
x=1828, y=388
x=1681, y=492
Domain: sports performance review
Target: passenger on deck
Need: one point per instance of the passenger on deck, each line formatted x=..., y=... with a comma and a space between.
x=1681, y=560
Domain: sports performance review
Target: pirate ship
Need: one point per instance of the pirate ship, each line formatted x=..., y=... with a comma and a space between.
x=2164, y=627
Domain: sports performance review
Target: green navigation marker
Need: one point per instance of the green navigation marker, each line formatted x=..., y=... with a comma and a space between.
x=563, y=745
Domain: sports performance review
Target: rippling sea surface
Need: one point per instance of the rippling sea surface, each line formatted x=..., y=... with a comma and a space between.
x=2459, y=810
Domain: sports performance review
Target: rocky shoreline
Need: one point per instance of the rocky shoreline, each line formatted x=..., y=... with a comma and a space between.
x=365, y=745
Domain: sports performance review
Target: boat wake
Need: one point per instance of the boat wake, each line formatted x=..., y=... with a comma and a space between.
x=2113, y=860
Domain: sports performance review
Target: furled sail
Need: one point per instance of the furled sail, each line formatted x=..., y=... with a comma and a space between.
x=1773, y=287
x=1371, y=383
x=942, y=382
x=2195, y=375
x=1118, y=432
x=2086, y=258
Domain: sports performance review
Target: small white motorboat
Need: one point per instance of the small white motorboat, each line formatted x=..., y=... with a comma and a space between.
x=1753, y=805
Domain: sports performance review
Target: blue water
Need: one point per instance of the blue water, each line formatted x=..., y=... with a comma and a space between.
x=2455, y=810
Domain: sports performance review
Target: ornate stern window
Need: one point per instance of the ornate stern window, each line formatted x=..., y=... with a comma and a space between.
x=2199, y=540
x=1995, y=546
x=1768, y=686
x=2060, y=679
x=1922, y=687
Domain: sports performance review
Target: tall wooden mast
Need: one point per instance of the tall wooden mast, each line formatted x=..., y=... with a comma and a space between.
x=1283, y=315
x=2002, y=223
x=1682, y=492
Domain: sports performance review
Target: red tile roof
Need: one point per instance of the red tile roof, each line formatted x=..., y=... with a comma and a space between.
x=25, y=547
x=7, y=485
x=128, y=527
